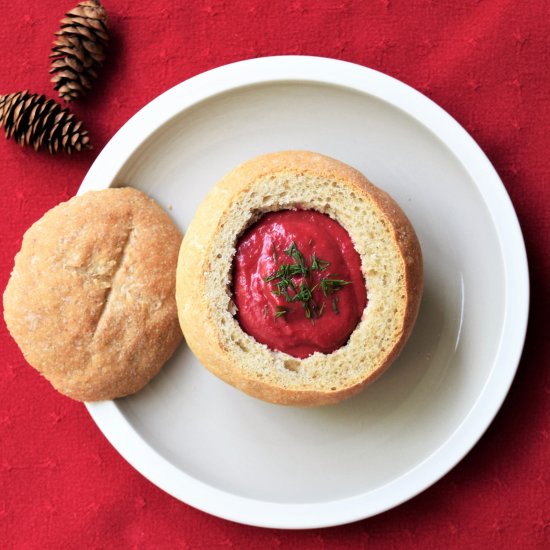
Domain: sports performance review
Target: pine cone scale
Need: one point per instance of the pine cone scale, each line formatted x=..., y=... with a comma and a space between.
x=74, y=64
x=94, y=49
x=13, y=109
x=77, y=30
x=21, y=116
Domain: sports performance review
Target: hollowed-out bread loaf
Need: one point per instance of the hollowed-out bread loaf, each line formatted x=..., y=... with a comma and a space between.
x=391, y=263
x=91, y=299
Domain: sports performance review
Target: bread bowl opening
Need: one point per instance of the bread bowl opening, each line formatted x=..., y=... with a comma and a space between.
x=297, y=283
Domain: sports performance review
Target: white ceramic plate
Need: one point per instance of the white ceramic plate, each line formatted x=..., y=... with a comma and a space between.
x=236, y=457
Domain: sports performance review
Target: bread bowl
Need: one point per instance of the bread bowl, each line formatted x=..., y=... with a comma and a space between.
x=390, y=263
x=91, y=298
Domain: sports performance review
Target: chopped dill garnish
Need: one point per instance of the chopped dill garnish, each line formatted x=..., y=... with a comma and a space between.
x=317, y=263
x=281, y=311
x=298, y=257
x=330, y=286
x=283, y=283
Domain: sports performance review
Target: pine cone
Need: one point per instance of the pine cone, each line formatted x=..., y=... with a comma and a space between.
x=32, y=119
x=79, y=51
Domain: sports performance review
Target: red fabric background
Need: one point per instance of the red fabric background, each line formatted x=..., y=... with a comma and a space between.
x=485, y=61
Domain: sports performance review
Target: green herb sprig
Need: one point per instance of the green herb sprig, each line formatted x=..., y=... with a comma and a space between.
x=284, y=285
x=280, y=312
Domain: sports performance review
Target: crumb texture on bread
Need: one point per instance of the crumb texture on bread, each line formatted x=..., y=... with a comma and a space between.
x=91, y=299
x=391, y=264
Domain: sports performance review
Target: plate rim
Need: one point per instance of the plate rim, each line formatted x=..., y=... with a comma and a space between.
x=326, y=71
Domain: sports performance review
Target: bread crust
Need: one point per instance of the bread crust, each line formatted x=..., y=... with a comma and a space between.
x=199, y=320
x=91, y=299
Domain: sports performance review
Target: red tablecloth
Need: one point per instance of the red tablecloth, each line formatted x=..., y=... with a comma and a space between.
x=485, y=61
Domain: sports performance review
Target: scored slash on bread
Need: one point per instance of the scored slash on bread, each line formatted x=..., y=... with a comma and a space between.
x=391, y=262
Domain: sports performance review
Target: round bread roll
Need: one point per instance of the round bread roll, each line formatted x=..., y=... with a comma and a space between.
x=91, y=299
x=391, y=263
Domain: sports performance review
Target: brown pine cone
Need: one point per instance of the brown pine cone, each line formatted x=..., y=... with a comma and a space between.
x=79, y=50
x=32, y=119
